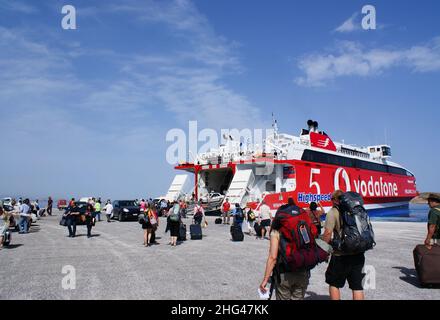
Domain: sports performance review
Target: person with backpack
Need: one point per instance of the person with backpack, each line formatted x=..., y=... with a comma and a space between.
x=238, y=215
x=433, y=236
x=316, y=214
x=226, y=207
x=149, y=225
x=292, y=253
x=173, y=224
x=199, y=213
x=344, y=266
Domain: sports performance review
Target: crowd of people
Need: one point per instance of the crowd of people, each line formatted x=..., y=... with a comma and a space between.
x=20, y=214
x=284, y=232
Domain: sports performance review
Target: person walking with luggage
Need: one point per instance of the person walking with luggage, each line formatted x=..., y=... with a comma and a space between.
x=288, y=284
x=173, y=224
x=108, y=210
x=433, y=236
x=226, y=207
x=199, y=213
x=71, y=216
x=264, y=219
x=315, y=214
x=98, y=209
x=342, y=267
x=49, y=206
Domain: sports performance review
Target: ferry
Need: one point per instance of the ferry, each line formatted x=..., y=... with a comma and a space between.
x=307, y=168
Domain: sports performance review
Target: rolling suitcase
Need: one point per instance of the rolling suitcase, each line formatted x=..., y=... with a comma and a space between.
x=236, y=233
x=7, y=238
x=182, y=233
x=427, y=263
x=196, y=231
x=218, y=221
x=258, y=229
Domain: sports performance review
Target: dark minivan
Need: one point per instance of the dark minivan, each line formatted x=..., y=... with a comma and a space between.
x=125, y=209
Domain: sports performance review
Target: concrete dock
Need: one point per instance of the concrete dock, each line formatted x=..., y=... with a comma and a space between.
x=115, y=265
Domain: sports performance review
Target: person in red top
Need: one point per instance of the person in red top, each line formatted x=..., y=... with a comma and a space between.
x=226, y=211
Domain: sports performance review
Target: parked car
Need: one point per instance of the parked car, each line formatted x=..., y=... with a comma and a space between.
x=212, y=197
x=7, y=201
x=62, y=204
x=125, y=209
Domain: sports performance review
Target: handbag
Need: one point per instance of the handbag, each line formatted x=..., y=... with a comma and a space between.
x=63, y=221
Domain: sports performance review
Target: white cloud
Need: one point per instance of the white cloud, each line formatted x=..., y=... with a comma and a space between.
x=349, y=25
x=352, y=59
x=17, y=6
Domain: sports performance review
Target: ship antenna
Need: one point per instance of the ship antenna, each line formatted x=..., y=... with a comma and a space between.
x=274, y=126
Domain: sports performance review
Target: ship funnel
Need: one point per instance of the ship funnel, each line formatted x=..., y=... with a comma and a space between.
x=315, y=126
x=310, y=124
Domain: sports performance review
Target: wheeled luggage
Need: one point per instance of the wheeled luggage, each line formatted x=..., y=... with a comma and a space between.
x=218, y=221
x=196, y=231
x=182, y=232
x=7, y=238
x=427, y=263
x=236, y=233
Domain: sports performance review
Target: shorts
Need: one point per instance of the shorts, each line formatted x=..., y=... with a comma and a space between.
x=293, y=285
x=3, y=229
x=265, y=223
x=346, y=268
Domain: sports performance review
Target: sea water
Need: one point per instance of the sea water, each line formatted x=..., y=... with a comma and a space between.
x=411, y=213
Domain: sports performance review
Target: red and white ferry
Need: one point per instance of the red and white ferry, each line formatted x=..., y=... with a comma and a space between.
x=307, y=168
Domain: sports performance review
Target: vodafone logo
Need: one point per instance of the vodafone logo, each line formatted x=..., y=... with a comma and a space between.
x=371, y=188
x=341, y=172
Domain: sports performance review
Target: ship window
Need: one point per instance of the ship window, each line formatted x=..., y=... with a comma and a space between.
x=399, y=171
x=372, y=150
x=378, y=149
x=386, y=151
x=320, y=157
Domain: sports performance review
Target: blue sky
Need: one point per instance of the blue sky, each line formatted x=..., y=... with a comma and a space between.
x=86, y=111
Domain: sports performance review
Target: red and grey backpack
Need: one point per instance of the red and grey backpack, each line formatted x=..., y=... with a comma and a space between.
x=298, y=249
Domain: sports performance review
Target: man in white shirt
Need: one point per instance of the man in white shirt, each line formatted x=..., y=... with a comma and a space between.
x=24, y=216
x=264, y=219
x=108, y=210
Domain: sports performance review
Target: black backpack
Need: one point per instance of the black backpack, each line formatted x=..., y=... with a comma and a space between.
x=357, y=231
x=141, y=218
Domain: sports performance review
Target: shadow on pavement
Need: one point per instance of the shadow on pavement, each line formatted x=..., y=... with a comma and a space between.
x=12, y=246
x=410, y=276
x=314, y=296
x=85, y=235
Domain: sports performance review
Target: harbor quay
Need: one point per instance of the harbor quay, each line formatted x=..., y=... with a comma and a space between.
x=114, y=264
